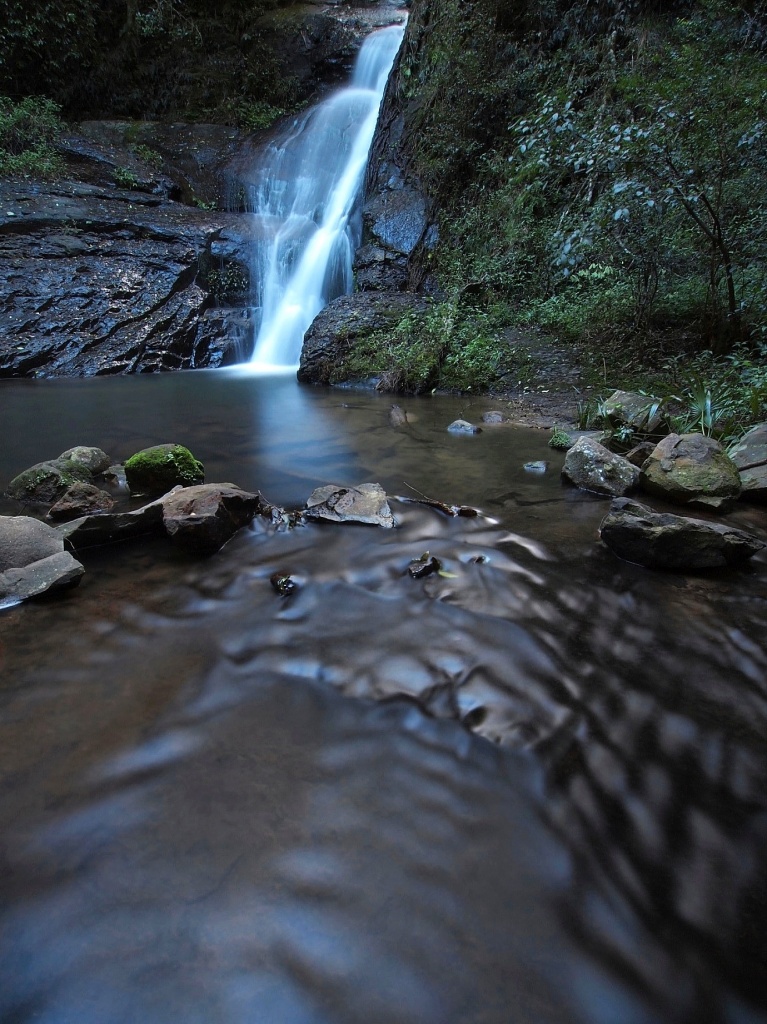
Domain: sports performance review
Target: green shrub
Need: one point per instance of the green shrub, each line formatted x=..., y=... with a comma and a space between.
x=28, y=132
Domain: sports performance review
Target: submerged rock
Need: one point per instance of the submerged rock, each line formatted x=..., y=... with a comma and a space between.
x=33, y=559
x=202, y=519
x=750, y=458
x=156, y=470
x=81, y=499
x=463, y=427
x=592, y=467
x=536, y=467
x=365, y=503
x=665, y=541
x=691, y=469
x=494, y=416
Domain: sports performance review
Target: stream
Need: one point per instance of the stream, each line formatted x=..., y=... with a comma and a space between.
x=530, y=790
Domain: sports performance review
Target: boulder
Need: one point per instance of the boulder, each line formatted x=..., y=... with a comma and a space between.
x=33, y=559
x=46, y=482
x=463, y=427
x=664, y=541
x=55, y=572
x=157, y=469
x=81, y=499
x=365, y=503
x=24, y=540
x=590, y=466
x=691, y=469
x=201, y=519
x=92, y=459
x=627, y=409
x=750, y=457
x=109, y=527
x=342, y=323
x=640, y=453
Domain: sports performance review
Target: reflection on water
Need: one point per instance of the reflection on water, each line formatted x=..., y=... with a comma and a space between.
x=530, y=790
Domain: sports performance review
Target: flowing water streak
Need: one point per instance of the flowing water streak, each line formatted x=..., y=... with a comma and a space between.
x=305, y=202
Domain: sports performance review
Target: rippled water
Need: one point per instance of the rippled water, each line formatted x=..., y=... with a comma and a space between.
x=531, y=790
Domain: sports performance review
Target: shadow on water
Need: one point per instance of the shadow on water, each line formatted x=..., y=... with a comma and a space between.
x=529, y=790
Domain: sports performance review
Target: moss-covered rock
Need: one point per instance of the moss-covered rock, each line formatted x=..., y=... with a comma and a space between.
x=156, y=470
x=46, y=482
x=691, y=470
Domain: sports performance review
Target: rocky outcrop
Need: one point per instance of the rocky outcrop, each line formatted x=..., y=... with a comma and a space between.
x=157, y=469
x=99, y=280
x=366, y=503
x=691, y=469
x=341, y=324
x=663, y=541
x=202, y=519
x=33, y=560
x=590, y=466
x=750, y=458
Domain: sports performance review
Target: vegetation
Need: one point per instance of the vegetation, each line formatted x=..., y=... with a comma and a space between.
x=449, y=346
x=601, y=168
x=28, y=132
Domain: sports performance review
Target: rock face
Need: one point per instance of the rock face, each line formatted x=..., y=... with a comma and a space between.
x=343, y=322
x=365, y=503
x=691, y=469
x=590, y=466
x=158, y=469
x=98, y=280
x=202, y=519
x=33, y=559
x=663, y=541
x=750, y=457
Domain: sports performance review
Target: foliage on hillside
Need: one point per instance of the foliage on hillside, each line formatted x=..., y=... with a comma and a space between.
x=599, y=166
x=144, y=58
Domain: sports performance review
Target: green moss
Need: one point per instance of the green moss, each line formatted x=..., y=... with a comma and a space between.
x=156, y=470
x=560, y=440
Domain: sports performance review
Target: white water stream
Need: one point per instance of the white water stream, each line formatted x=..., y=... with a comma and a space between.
x=306, y=210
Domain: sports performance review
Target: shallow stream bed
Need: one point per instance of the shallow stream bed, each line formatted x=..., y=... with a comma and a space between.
x=532, y=789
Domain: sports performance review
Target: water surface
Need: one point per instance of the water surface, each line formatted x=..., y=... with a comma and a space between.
x=530, y=790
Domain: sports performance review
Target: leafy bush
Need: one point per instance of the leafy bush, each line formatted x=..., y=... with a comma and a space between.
x=28, y=132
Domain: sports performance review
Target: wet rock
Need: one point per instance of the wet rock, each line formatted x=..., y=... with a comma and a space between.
x=344, y=322
x=116, y=478
x=96, y=280
x=664, y=541
x=110, y=527
x=642, y=413
x=640, y=453
x=590, y=466
x=157, y=469
x=463, y=427
x=377, y=269
x=56, y=572
x=536, y=467
x=426, y=565
x=24, y=540
x=284, y=585
x=81, y=499
x=92, y=459
x=397, y=417
x=750, y=457
x=33, y=559
x=493, y=416
x=201, y=519
x=691, y=469
x=46, y=482
x=365, y=503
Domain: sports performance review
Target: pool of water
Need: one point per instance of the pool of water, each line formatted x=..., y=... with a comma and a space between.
x=531, y=789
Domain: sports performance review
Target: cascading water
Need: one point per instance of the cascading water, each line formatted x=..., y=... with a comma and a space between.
x=305, y=203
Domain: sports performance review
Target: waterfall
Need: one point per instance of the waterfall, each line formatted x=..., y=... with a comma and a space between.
x=307, y=220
